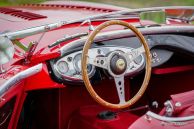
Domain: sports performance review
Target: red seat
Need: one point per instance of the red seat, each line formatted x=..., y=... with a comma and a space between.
x=183, y=106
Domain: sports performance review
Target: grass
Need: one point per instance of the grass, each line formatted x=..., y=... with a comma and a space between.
x=146, y=3
x=4, y=3
x=124, y=3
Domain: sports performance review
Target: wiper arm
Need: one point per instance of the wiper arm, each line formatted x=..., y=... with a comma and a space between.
x=59, y=41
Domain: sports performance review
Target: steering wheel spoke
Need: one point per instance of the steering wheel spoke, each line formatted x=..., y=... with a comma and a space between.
x=135, y=53
x=119, y=81
x=100, y=62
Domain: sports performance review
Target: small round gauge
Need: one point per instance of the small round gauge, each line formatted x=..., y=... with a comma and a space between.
x=62, y=67
x=89, y=68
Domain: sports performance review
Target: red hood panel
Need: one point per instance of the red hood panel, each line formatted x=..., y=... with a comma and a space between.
x=51, y=12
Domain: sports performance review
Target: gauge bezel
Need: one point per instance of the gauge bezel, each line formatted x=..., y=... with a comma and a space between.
x=57, y=66
x=74, y=61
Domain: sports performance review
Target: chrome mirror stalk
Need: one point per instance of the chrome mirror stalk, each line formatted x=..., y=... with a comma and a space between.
x=88, y=21
x=30, y=52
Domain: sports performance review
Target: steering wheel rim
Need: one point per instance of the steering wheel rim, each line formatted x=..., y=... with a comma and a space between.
x=84, y=61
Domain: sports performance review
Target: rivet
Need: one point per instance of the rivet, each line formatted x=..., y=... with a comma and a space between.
x=178, y=104
x=148, y=118
x=162, y=123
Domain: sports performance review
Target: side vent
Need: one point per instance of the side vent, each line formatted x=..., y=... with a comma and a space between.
x=28, y=15
x=21, y=14
x=69, y=7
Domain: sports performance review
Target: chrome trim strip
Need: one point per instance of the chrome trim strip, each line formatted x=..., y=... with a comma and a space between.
x=18, y=77
x=169, y=119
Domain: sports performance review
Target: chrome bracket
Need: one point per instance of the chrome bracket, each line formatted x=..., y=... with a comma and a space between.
x=88, y=21
x=169, y=108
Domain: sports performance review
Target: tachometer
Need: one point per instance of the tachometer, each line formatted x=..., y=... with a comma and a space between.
x=77, y=64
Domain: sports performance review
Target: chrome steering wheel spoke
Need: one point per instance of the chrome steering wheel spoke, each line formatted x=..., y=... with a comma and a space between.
x=101, y=62
x=119, y=81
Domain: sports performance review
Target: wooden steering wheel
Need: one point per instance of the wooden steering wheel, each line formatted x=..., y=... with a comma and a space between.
x=121, y=65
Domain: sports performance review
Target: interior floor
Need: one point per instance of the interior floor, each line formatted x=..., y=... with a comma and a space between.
x=60, y=107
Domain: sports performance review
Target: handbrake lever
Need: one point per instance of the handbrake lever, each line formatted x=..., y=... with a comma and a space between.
x=109, y=115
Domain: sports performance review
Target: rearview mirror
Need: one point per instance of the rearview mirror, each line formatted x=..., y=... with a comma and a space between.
x=158, y=17
x=6, y=50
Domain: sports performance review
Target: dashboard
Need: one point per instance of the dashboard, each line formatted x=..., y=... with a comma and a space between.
x=67, y=68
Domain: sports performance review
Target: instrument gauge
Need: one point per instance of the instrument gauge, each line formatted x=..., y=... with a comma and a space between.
x=77, y=62
x=77, y=65
x=138, y=60
x=62, y=67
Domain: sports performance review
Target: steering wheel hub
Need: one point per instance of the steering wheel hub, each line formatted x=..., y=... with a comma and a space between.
x=118, y=64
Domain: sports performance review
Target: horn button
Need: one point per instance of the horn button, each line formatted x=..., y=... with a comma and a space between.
x=118, y=64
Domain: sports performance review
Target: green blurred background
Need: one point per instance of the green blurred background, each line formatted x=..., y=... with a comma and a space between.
x=124, y=3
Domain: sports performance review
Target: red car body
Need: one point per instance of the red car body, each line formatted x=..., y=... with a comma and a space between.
x=32, y=99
